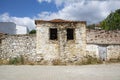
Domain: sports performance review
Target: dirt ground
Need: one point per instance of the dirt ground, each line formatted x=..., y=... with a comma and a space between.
x=37, y=72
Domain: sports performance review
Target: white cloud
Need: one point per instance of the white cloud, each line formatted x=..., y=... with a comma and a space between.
x=24, y=21
x=60, y=2
x=4, y=17
x=44, y=1
x=90, y=11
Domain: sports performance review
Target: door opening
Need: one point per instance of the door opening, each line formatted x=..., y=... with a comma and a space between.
x=102, y=52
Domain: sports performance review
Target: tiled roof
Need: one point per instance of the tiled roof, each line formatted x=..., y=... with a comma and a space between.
x=58, y=21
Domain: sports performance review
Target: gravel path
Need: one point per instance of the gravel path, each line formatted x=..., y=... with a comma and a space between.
x=36, y=72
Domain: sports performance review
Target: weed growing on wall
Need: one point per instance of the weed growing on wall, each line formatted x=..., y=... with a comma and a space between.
x=17, y=60
x=91, y=60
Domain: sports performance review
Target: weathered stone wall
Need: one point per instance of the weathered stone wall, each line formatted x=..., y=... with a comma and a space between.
x=44, y=47
x=113, y=52
x=75, y=50
x=103, y=37
x=41, y=50
x=0, y=49
x=92, y=49
x=16, y=45
x=108, y=39
x=62, y=48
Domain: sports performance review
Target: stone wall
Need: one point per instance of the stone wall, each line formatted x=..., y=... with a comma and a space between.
x=113, y=52
x=92, y=50
x=16, y=45
x=108, y=39
x=39, y=49
x=103, y=37
x=0, y=49
x=62, y=48
x=75, y=51
x=44, y=47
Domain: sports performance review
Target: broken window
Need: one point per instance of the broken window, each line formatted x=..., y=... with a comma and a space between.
x=53, y=34
x=70, y=34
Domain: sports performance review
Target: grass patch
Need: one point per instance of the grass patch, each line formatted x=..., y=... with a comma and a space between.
x=91, y=60
x=58, y=62
x=114, y=60
x=17, y=60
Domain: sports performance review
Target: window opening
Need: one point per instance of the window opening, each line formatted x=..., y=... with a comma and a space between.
x=70, y=34
x=53, y=34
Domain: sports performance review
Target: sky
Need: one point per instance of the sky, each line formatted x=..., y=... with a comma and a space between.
x=24, y=12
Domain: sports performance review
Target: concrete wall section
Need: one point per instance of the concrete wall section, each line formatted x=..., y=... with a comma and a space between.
x=21, y=29
x=8, y=27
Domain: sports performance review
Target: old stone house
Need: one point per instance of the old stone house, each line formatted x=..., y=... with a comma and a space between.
x=68, y=41
x=61, y=39
x=71, y=40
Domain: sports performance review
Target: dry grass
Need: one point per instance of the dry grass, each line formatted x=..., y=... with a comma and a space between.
x=88, y=59
x=3, y=62
x=58, y=62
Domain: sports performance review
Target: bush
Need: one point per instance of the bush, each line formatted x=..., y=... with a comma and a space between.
x=92, y=60
x=58, y=62
x=32, y=32
x=17, y=60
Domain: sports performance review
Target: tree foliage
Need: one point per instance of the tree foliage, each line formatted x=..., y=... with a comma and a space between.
x=112, y=22
x=32, y=32
x=92, y=26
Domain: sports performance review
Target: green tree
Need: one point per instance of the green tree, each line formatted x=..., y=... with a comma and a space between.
x=112, y=22
x=92, y=26
x=32, y=32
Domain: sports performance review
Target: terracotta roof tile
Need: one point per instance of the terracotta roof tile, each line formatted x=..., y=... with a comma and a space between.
x=58, y=21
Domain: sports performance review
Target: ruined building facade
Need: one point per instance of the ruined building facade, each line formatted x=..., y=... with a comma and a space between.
x=71, y=40
x=68, y=41
x=61, y=39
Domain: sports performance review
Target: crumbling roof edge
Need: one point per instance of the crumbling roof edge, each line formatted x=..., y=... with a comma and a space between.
x=59, y=21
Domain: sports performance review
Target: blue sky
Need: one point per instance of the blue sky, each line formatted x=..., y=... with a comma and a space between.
x=24, y=12
x=28, y=8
